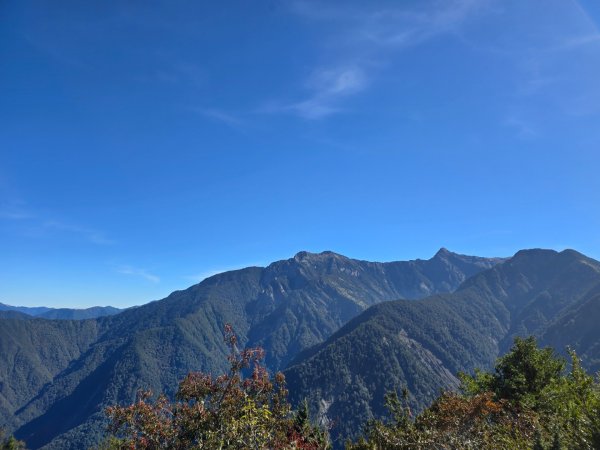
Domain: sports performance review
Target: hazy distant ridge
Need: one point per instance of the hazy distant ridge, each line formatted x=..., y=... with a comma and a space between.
x=63, y=313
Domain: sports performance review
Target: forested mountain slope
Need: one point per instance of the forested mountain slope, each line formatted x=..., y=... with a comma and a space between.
x=578, y=326
x=32, y=353
x=285, y=307
x=422, y=345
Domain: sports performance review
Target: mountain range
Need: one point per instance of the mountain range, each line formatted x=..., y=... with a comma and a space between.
x=423, y=345
x=63, y=313
x=345, y=330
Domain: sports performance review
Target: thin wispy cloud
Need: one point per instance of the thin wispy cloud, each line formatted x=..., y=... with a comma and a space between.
x=392, y=25
x=399, y=26
x=327, y=87
x=402, y=28
x=337, y=81
x=374, y=34
x=173, y=71
x=581, y=30
x=12, y=208
x=39, y=224
x=554, y=63
x=90, y=235
x=220, y=116
x=137, y=272
x=358, y=35
x=580, y=41
x=15, y=215
x=590, y=21
x=534, y=84
x=524, y=129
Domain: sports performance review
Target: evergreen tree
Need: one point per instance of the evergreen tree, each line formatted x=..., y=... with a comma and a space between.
x=10, y=443
x=526, y=401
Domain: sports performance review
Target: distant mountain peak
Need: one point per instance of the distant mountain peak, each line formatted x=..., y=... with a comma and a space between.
x=543, y=252
x=443, y=252
x=304, y=255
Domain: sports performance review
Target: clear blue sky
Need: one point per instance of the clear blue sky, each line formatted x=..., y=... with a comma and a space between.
x=145, y=145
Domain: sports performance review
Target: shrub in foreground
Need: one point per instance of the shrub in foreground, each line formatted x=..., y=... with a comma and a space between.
x=231, y=411
x=528, y=402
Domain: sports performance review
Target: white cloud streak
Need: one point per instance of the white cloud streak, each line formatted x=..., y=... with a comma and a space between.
x=14, y=209
x=90, y=235
x=402, y=28
x=39, y=225
x=220, y=116
x=552, y=64
x=524, y=129
x=15, y=215
x=580, y=41
x=328, y=86
x=134, y=271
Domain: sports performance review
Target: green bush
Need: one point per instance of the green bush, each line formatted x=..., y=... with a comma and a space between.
x=10, y=443
x=528, y=402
